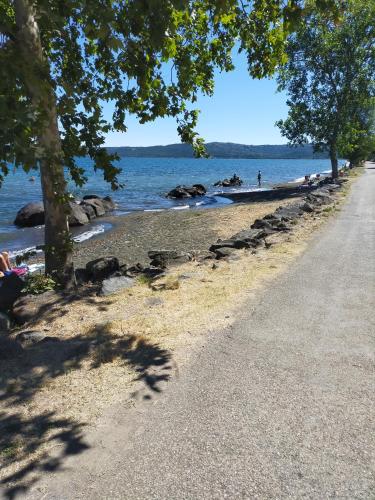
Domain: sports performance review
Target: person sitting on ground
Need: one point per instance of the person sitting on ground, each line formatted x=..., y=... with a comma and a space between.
x=4, y=264
x=6, y=269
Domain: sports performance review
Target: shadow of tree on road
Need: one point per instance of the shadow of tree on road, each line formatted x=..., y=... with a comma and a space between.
x=38, y=442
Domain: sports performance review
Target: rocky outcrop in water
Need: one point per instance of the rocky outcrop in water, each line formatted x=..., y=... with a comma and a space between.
x=181, y=192
x=81, y=211
x=232, y=182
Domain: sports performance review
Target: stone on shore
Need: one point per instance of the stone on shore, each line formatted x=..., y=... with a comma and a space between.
x=165, y=258
x=29, y=307
x=82, y=212
x=115, y=284
x=89, y=210
x=30, y=215
x=102, y=268
x=77, y=216
x=30, y=337
x=236, y=243
x=97, y=205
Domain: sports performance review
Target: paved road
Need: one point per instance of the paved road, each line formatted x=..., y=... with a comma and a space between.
x=279, y=406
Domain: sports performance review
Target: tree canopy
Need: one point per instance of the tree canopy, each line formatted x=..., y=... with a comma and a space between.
x=329, y=76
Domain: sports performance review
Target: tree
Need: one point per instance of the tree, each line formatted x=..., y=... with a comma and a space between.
x=60, y=59
x=329, y=76
x=358, y=144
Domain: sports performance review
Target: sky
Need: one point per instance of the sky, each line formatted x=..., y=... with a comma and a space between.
x=242, y=110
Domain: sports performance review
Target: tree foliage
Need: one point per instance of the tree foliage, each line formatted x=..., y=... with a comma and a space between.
x=329, y=76
x=148, y=58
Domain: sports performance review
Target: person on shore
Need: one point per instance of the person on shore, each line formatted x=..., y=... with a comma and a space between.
x=4, y=264
x=259, y=178
x=6, y=269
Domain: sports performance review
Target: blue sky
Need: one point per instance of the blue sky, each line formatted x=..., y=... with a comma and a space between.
x=242, y=110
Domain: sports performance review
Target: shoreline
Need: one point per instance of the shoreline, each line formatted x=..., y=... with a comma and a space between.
x=129, y=237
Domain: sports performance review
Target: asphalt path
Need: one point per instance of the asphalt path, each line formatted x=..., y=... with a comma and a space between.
x=280, y=405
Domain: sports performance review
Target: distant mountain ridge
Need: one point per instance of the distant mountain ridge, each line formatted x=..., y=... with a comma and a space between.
x=221, y=150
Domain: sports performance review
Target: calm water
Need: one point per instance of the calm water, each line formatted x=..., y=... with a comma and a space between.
x=146, y=182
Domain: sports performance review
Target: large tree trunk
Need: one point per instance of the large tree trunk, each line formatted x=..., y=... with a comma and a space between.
x=334, y=162
x=35, y=74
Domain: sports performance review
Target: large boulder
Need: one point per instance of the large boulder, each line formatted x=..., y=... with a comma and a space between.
x=82, y=212
x=97, y=205
x=165, y=258
x=180, y=192
x=102, y=268
x=30, y=215
x=108, y=203
x=30, y=307
x=10, y=289
x=77, y=216
x=89, y=210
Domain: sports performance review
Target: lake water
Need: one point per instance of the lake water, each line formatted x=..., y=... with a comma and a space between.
x=146, y=180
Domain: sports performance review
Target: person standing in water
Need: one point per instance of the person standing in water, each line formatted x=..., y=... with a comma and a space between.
x=259, y=178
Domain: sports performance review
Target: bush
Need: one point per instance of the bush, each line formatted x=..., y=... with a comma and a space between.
x=36, y=284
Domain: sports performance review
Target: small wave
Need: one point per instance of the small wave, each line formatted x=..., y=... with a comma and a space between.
x=312, y=176
x=183, y=207
x=16, y=253
x=154, y=210
x=35, y=267
x=89, y=234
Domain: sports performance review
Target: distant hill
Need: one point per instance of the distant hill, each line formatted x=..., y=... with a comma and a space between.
x=221, y=150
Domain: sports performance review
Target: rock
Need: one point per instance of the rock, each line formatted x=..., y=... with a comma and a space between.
x=233, y=181
x=108, y=203
x=274, y=239
x=164, y=258
x=102, y=268
x=10, y=290
x=232, y=243
x=4, y=323
x=115, y=284
x=97, y=205
x=30, y=215
x=89, y=210
x=153, y=272
x=261, y=224
x=91, y=197
x=224, y=252
x=290, y=212
x=78, y=216
x=135, y=270
x=82, y=275
x=30, y=337
x=307, y=207
x=180, y=192
x=30, y=307
x=9, y=348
